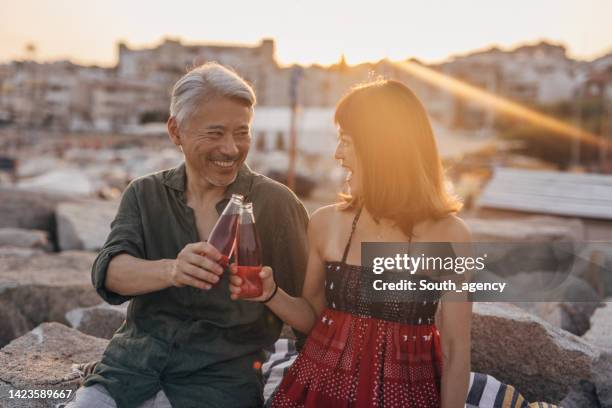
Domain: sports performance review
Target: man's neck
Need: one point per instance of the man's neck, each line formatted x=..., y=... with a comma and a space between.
x=200, y=190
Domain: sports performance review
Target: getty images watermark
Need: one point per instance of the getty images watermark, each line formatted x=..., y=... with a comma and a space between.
x=488, y=271
x=437, y=265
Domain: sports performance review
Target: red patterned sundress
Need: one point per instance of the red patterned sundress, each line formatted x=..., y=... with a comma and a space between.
x=368, y=349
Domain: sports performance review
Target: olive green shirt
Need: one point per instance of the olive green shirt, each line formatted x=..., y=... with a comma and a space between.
x=199, y=346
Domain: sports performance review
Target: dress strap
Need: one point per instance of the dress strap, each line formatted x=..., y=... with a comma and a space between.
x=348, y=244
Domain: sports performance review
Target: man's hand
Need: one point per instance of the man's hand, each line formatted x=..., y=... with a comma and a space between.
x=196, y=265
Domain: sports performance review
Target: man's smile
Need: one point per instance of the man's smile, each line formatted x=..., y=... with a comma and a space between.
x=224, y=164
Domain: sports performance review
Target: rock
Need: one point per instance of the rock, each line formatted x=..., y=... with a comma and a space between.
x=17, y=252
x=42, y=288
x=64, y=180
x=541, y=361
x=602, y=378
x=42, y=360
x=544, y=286
x=29, y=210
x=100, y=321
x=573, y=317
x=12, y=321
x=562, y=299
x=22, y=238
x=600, y=332
x=526, y=229
x=590, y=265
x=584, y=395
x=84, y=224
x=596, y=392
x=599, y=255
x=36, y=166
x=512, y=258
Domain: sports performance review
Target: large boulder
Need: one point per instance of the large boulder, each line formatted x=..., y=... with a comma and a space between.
x=600, y=332
x=573, y=317
x=19, y=252
x=602, y=378
x=511, y=259
x=69, y=180
x=101, y=320
x=43, y=360
x=42, y=287
x=84, y=224
x=23, y=238
x=29, y=210
x=562, y=299
x=582, y=396
x=600, y=265
x=525, y=229
x=543, y=362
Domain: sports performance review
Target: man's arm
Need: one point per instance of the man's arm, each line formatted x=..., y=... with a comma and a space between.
x=129, y=276
x=454, y=319
x=122, y=271
x=193, y=266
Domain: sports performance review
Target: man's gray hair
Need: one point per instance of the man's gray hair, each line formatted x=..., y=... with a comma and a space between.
x=205, y=82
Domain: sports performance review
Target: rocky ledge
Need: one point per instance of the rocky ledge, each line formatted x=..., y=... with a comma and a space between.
x=43, y=360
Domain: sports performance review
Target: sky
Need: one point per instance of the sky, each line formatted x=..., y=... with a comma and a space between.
x=306, y=32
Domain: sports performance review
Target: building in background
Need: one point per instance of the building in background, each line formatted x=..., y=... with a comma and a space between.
x=65, y=96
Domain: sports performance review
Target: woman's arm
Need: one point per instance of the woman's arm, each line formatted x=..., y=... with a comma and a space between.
x=454, y=320
x=455, y=325
x=302, y=312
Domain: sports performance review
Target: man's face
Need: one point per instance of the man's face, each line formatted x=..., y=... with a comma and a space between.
x=216, y=139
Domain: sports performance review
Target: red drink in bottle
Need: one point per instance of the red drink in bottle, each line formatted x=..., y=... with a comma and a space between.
x=248, y=254
x=223, y=234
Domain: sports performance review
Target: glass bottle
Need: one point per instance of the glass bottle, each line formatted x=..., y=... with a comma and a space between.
x=223, y=234
x=248, y=254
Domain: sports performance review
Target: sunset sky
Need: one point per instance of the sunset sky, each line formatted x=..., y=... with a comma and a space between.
x=305, y=31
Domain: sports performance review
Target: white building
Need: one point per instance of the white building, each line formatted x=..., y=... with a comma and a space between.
x=66, y=96
x=317, y=134
x=540, y=73
x=167, y=62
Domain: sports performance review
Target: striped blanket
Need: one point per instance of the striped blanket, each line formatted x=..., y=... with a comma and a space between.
x=485, y=391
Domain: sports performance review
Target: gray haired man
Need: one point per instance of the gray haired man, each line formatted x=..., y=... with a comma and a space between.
x=185, y=342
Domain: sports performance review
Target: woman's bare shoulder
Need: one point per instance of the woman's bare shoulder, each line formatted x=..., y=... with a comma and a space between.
x=331, y=220
x=324, y=217
x=450, y=228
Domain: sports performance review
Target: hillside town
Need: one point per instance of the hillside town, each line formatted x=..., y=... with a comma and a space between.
x=49, y=108
x=72, y=137
x=68, y=97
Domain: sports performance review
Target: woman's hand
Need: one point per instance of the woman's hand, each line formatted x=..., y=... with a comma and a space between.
x=267, y=279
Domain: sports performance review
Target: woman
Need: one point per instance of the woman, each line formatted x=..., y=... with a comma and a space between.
x=362, y=352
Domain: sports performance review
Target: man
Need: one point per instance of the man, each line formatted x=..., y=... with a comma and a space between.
x=185, y=342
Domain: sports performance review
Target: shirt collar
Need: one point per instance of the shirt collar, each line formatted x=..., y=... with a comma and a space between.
x=176, y=179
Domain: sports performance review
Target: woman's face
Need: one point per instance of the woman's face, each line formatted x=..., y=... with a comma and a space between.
x=347, y=155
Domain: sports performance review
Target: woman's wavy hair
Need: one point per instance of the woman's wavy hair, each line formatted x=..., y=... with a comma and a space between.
x=403, y=179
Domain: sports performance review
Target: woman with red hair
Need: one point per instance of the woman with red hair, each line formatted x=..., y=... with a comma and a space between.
x=364, y=348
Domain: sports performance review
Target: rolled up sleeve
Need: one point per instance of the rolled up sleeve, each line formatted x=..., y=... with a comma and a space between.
x=126, y=236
